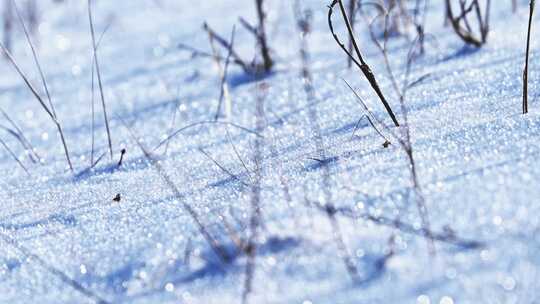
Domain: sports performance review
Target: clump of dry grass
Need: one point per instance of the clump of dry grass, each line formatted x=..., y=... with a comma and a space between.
x=254, y=67
x=463, y=27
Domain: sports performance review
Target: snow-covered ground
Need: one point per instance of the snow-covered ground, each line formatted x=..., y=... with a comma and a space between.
x=64, y=240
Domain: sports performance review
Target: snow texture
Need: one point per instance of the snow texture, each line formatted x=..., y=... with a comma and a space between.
x=63, y=239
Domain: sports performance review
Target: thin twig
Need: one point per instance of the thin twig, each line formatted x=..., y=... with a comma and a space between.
x=249, y=27
x=234, y=176
x=200, y=53
x=526, y=69
x=233, y=234
x=360, y=63
x=92, y=166
x=200, y=123
x=386, y=141
x=229, y=138
x=120, y=161
x=362, y=103
x=223, y=87
x=268, y=63
x=93, y=106
x=187, y=252
x=225, y=44
x=466, y=34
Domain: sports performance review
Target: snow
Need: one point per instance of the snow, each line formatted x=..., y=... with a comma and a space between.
x=476, y=157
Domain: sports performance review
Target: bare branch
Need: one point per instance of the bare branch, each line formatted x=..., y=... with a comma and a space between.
x=526, y=69
x=361, y=64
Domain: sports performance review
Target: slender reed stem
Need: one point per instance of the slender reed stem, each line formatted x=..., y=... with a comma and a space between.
x=526, y=70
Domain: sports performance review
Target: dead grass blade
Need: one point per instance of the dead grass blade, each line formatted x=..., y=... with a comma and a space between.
x=14, y=156
x=100, y=83
x=40, y=100
x=200, y=123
